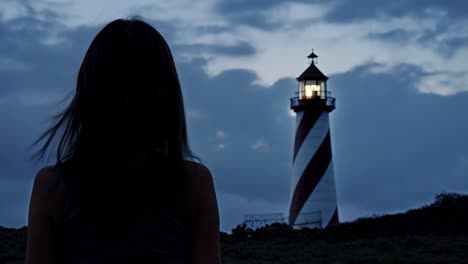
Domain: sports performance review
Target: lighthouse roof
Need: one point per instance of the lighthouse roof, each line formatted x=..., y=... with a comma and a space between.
x=312, y=55
x=312, y=73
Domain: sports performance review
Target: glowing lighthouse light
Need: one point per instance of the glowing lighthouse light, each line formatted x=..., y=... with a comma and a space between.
x=312, y=90
x=313, y=196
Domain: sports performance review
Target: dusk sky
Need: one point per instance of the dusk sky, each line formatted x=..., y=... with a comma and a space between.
x=398, y=70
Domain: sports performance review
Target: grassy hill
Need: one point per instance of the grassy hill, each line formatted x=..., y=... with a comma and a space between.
x=436, y=233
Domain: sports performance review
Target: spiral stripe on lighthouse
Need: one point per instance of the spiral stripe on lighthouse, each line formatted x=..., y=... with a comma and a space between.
x=310, y=178
x=309, y=146
x=308, y=119
x=299, y=116
x=323, y=198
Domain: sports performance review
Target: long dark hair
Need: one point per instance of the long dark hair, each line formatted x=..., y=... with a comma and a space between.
x=127, y=114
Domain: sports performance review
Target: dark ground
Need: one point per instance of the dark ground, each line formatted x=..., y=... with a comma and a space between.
x=437, y=233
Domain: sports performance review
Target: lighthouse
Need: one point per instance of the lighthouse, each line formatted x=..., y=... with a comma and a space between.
x=313, y=194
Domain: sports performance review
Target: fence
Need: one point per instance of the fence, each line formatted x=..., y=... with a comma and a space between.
x=308, y=219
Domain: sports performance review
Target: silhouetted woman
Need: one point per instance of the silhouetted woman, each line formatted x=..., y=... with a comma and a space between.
x=122, y=189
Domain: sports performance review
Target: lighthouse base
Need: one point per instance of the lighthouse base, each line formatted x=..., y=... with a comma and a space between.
x=308, y=220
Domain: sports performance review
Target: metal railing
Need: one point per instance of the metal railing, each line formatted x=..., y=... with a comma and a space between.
x=307, y=219
x=315, y=94
x=302, y=99
x=258, y=220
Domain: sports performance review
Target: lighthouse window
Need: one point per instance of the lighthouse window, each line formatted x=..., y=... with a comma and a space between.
x=323, y=90
x=312, y=89
x=301, y=90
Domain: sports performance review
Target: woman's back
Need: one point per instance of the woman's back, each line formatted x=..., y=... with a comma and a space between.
x=151, y=234
x=153, y=237
x=148, y=233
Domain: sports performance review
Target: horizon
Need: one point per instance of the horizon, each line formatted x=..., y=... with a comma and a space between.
x=397, y=72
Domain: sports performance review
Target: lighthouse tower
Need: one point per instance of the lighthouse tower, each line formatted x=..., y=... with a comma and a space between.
x=313, y=195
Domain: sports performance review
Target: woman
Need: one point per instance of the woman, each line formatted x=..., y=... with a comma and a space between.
x=122, y=190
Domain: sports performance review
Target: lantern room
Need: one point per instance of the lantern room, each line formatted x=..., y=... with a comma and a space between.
x=312, y=88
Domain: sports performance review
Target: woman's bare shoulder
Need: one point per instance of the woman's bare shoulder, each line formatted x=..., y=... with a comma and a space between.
x=197, y=170
x=47, y=187
x=199, y=178
x=47, y=179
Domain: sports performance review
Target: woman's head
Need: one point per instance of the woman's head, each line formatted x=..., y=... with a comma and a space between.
x=128, y=99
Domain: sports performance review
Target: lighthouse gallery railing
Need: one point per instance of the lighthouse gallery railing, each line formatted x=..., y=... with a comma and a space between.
x=302, y=98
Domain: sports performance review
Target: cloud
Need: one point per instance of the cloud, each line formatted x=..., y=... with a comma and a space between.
x=11, y=9
x=220, y=134
x=220, y=147
x=347, y=11
x=193, y=115
x=295, y=13
x=259, y=145
x=271, y=37
x=238, y=49
x=259, y=13
x=341, y=47
x=444, y=83
x=75, y=13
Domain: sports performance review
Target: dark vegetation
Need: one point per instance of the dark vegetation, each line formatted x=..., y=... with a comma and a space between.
x=12, y=245
x=436, y=233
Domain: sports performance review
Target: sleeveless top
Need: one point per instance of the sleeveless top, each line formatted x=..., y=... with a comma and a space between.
x=152, y=236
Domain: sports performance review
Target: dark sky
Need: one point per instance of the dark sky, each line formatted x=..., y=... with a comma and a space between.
x=397, y=69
